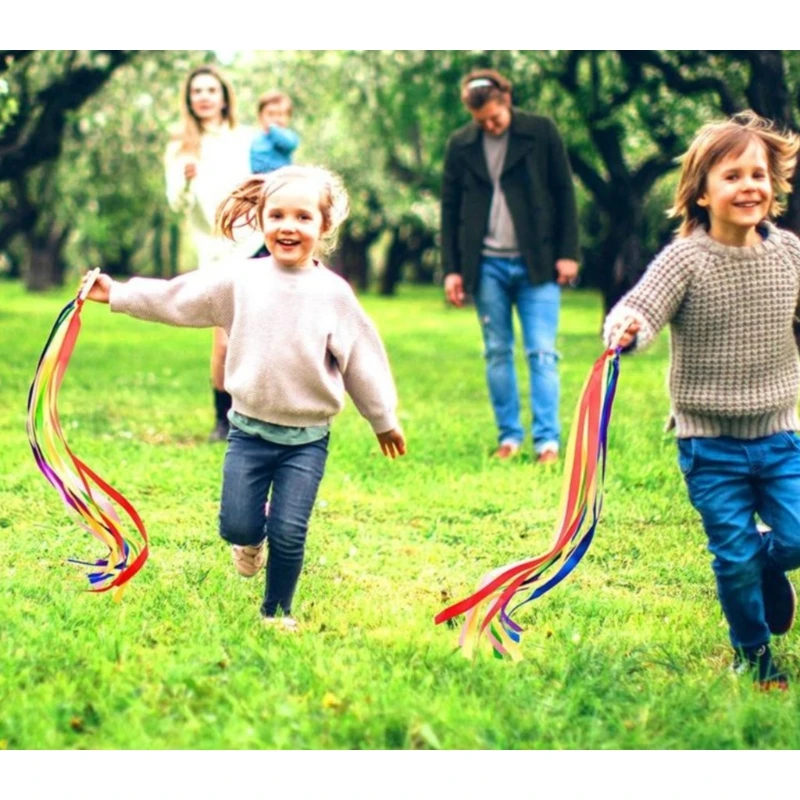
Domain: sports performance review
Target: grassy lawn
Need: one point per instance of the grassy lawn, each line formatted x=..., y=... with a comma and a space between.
x=630, y=652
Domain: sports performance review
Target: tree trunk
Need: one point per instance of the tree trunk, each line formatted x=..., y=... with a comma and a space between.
x=351, y=259
x=410, y=242
x=158, y=245
x=791, y=217
x=392, y=272
x=622, y=250
x=423, y=242
x=122, y=264
x=46, y=266
x=14, y=269
x=174, y=248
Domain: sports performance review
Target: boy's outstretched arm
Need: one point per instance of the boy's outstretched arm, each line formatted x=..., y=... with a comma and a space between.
x=623, y=333
x=284, y=139
x=655, y=299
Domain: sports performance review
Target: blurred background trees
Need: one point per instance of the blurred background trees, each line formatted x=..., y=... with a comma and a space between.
x=82, y=137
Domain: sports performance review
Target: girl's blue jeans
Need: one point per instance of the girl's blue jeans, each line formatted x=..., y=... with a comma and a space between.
x=729, y=482
x=293, y=472
x=504, y=284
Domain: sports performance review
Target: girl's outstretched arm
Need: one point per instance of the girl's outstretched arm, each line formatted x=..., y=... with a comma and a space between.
x=101, y=288
x=199, y=299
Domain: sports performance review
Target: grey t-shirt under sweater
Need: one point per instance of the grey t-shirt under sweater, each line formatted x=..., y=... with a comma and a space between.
x=501, y=238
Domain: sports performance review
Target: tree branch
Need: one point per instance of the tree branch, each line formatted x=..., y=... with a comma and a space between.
x=9, y=57
x=675, y=80
x=588, y=176
x=43, y=140
x=652, y=169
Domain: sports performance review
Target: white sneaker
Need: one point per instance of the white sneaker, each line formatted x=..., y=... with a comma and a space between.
x=282, y=623
x=248, y=560
x=549, y=455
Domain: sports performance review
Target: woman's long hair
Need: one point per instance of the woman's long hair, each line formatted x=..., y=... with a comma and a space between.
x=191, y=129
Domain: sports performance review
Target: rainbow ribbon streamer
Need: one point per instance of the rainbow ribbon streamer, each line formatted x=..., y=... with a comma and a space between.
x=84, y=492
x=581, y=502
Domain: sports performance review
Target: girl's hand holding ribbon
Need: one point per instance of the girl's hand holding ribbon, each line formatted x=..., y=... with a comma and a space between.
x=99, y=286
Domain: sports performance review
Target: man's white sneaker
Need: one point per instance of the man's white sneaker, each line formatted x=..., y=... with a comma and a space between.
x=282, y=623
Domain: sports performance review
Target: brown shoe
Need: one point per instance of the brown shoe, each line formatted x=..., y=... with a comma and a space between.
x=506, y=450
x=547, y=457
x=248, y=560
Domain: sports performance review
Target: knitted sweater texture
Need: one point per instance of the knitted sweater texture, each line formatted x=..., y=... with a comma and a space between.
x=298, y=338
x=734, y=368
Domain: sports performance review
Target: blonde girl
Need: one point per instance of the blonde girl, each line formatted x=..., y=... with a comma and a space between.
x=298, y=341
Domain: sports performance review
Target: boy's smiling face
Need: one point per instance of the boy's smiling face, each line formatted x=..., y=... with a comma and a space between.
x=738, y=195
x=276, y=113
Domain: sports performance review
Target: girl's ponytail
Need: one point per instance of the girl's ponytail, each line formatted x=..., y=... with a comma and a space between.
x=242, y=207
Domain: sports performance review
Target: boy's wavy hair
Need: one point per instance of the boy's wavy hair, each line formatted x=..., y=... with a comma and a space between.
x=483, y=85
x=718, y=140
x=275, y=96
x=244, y=207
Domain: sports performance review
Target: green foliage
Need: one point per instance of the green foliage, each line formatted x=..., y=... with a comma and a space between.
x=111, y=176
x=630, y=652
x=8, y=105
x=380, y=118
x=106, y=188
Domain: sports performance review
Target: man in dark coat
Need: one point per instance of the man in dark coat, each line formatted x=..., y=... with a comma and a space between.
x=510, y=238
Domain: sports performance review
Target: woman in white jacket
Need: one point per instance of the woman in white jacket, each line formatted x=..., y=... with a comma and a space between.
x=206, y=159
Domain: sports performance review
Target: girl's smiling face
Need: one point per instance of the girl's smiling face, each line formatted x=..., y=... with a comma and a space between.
x=292, y=223
x=738, y=195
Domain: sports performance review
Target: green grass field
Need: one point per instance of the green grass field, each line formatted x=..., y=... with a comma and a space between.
x=630, y=652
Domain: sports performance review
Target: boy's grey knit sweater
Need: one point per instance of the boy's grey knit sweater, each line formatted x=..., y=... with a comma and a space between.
x=734, y=368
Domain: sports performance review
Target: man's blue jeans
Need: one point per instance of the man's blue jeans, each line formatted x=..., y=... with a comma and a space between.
x=503, y=284
x=253, y=465
x=729, y=481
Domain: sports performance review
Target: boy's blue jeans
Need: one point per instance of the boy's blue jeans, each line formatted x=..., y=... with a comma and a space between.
x=503, y=284
x=729, y=481
x=253, y=465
